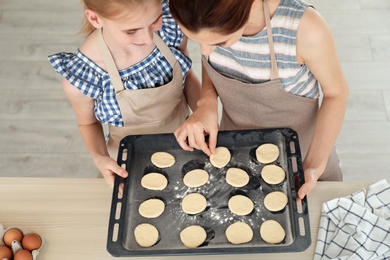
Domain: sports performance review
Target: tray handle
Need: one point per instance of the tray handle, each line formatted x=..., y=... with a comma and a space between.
x=301, y=211
x=118, y=206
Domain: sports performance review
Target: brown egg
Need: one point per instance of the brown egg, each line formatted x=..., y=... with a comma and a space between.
x=5, y=252
x=11, y=235
x=23, y=255
x=31, y=241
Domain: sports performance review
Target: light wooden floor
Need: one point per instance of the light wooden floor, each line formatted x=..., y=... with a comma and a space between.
x=39, y=136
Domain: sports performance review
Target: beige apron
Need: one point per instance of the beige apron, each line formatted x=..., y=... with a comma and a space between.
x=268, y=105
x=146, y=111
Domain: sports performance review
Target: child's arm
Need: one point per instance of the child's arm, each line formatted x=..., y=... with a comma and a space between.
x=92, y=133
x=316, y=49
x=192, y=89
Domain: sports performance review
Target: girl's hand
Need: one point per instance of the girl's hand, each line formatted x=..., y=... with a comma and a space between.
x=108, y=168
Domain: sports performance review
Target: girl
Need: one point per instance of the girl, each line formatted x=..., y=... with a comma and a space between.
x=129, y=73
x=266, y=60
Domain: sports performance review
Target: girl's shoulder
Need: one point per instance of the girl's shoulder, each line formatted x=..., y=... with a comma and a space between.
x=80, y=71
x=90, y=49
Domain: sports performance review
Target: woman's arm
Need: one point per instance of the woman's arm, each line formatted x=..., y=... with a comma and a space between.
x=92, y=133
x=316, y=49
x=204, y=121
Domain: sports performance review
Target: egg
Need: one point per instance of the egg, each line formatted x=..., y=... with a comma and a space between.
x=5, y=252
x=11, y=235
x=31, y=241
x=23, y=254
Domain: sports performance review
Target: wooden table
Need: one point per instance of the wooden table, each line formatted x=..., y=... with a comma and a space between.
x=72, y=216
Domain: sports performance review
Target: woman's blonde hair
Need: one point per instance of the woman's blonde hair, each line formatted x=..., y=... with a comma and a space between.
x=104, y=8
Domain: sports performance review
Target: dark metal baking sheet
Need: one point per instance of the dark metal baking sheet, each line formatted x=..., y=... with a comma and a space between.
x=134, y=155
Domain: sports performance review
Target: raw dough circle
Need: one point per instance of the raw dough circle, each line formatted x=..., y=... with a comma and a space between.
x=239, y=233
x=273, y=174
x=267, y=153
x=275, y=201
x=194, y=203
x=196, y=178
x=154, y=181
x=151, y=208
x=240, y=205
x=193, y=236
x=221, y=157
x=146, y=235
x=237, y=177
x=163, y=159
x=272, y=232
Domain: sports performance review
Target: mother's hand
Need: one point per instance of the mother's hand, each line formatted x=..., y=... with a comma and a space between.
x=311, y=177
x=191, y=134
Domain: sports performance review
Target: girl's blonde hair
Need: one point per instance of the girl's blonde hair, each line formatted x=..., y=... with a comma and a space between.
x=104, y=8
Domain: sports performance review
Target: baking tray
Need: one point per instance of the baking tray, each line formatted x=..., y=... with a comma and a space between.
x=134, y=155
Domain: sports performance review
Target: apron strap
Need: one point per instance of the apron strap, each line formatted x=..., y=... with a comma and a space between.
x=162, y=46
x=274, y=66
x=109, y=62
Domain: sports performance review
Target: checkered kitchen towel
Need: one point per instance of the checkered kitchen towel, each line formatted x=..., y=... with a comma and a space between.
x=356, y=227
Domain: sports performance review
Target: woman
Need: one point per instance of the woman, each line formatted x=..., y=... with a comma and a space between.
x=267, y=61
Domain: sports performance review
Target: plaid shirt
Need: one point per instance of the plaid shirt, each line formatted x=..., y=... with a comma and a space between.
x=93, y=81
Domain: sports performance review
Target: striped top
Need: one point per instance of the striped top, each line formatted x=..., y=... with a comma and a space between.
x=249, y=60
x=93, y=81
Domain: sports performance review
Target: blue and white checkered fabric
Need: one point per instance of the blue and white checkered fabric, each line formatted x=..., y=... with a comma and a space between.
x=356, y=227
x=153, y=71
